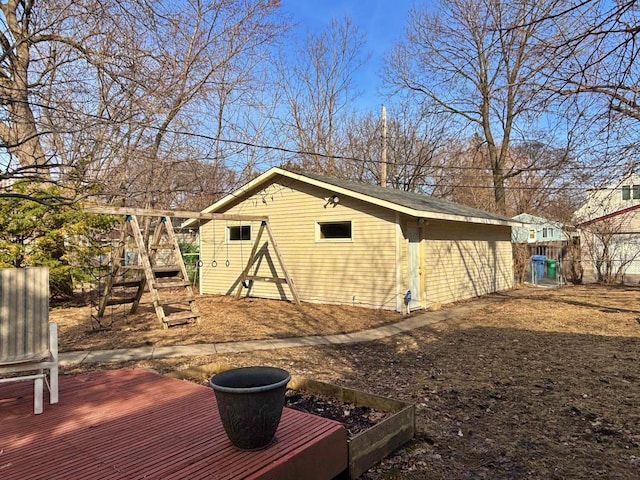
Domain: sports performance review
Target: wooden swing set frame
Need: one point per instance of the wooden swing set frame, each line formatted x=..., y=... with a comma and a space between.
x=147, y=252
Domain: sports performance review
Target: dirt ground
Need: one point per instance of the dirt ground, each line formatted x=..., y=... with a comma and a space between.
x=223, y=319
x=541, y=384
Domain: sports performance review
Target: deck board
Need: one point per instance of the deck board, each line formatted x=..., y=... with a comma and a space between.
x=132, y=423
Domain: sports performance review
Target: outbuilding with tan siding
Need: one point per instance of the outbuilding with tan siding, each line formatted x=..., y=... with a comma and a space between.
x=350, y=243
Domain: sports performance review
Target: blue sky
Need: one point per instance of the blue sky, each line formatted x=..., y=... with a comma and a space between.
x=381, y=21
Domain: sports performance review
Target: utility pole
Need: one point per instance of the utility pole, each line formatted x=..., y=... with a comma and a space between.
x=383, y=173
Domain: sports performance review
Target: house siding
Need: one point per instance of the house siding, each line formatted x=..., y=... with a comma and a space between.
x=466, y=260
x=628, y=222
x=359, y=272
x=624, y=244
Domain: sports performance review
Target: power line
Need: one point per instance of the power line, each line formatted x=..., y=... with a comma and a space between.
x=435, y=170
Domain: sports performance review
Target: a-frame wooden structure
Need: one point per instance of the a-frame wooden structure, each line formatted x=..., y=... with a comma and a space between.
x=167, y=280
x=158, y=266
x=247, y=279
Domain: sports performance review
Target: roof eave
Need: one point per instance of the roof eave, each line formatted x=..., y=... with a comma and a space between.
x=607, y=216
x=274, y=171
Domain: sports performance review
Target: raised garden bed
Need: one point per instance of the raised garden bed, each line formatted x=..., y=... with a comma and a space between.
x=354, y=418
x=370, y=445
x=388, y=425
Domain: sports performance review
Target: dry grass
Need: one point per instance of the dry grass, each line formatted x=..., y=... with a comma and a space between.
x=542, y=385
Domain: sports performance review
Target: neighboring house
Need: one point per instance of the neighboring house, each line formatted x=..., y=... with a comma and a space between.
x=537, y=230
x=540, y=236
x=350, y=243
x=612, y=199
x=609, y=227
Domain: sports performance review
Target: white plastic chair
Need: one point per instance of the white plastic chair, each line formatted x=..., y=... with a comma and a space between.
x=28, y=342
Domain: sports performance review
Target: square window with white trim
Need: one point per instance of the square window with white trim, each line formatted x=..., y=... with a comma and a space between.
x=340, y=231
x=237, y=233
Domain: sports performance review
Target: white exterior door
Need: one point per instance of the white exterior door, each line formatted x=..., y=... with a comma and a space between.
x=413, y=256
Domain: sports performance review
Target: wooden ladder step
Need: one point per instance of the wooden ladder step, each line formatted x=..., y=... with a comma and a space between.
x=120, y=301
x=163, y=246
x=176, y=301
x=136, y=282
x=166, y=272
x=158, y=285
x=181, y=317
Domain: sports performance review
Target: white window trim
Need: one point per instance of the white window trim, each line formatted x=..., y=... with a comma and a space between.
x=318, y=239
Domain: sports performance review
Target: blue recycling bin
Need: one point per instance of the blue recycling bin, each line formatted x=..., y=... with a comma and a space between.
x=538, y=265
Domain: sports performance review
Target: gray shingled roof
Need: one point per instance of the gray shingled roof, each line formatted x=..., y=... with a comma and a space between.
x=411, y=200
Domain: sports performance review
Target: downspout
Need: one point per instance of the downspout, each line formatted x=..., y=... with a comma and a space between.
x=399, y=238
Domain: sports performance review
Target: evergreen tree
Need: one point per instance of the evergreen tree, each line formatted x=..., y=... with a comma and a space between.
x=60, y=236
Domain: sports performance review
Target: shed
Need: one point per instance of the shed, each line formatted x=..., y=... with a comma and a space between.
x=351, y=243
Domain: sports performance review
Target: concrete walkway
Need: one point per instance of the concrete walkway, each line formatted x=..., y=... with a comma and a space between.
x=149, y=353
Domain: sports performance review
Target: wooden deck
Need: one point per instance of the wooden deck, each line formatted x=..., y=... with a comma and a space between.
x=133, y=423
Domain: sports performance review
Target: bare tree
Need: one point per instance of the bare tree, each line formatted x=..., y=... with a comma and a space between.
x=465, y=175
x=317, y=87
x=416, y=144
x=596, y=63
x=418, y=141
x=599, y=56
x=18, y=130
x=609, y=249
x=482, y=61
x=201, y=67
x=107, y=89
x=552, y=190
x=362, y=149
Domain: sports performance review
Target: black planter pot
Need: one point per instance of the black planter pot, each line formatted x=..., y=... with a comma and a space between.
x=250, y=402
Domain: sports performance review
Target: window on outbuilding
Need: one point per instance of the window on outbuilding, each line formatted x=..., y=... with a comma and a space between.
x=626, y=192
x=239, y=232
x=636, y=192
x=334, y=230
